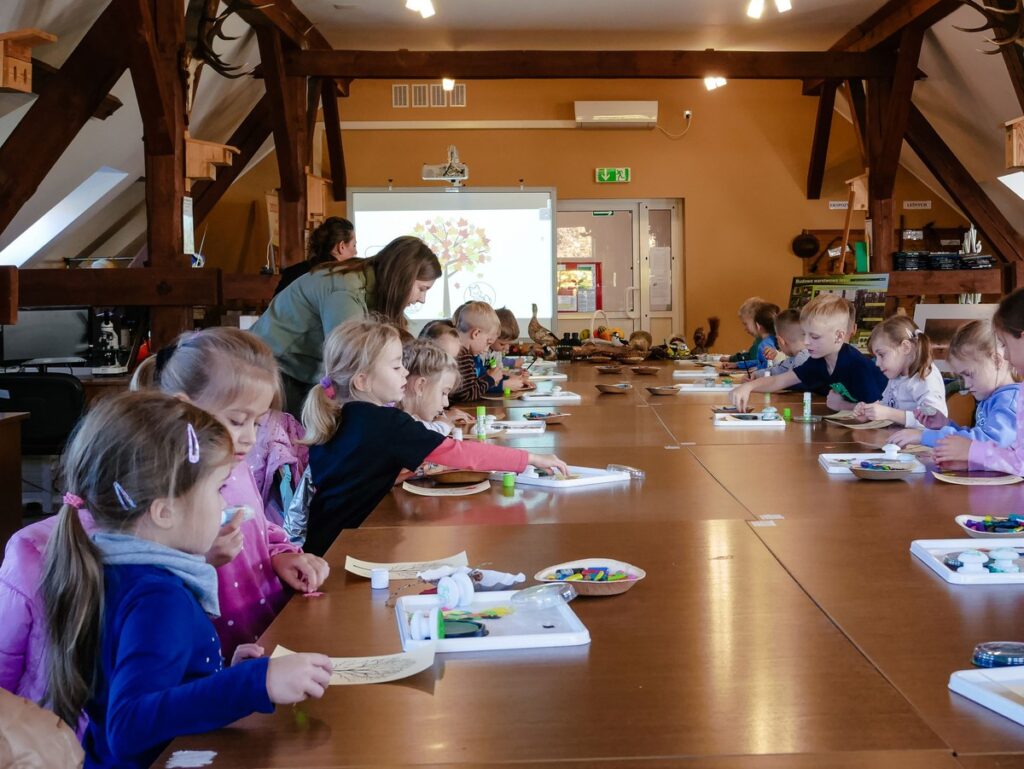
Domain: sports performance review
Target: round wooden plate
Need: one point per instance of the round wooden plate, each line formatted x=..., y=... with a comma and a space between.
x=455, y=477
x=609, y=369
x=645, y=370
x=614, y=388
x=663, y=390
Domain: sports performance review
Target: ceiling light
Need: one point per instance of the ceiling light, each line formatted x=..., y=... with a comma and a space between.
x=424, y=7
x=755, y=9
x=1015, y=182
x=712, y=82
x=447, y=84
x=783, y=5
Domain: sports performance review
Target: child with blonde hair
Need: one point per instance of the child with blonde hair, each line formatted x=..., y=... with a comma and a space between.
x=358, y=446
x=232, y=375
x=832, y=363
x=432, y=373
x=478, y=327
x=127, y=610
x=976, y=356
x=443, y=334
x=746, y=316
x=1008, y=324
x=764, y=315
x=903, y=353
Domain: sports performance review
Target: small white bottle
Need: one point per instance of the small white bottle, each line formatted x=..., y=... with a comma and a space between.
x=807, y=407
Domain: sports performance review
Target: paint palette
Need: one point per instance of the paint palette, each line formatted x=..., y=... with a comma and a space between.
x=842, y=464
x=934, y=554
x=748, y=421
x=707, y=386
x=998, y=689
x=579, y=476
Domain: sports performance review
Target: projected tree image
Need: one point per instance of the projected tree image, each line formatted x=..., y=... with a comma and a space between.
x=459, y=246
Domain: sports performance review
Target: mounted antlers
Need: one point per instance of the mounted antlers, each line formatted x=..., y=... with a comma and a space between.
x=1006, y=23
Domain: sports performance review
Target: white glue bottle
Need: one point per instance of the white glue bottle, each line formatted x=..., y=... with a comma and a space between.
x=807, y=406
x=480, y=428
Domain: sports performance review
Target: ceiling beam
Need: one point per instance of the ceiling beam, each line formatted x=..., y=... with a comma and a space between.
x=1013, y=56
x=73, y=95
x=282, y=15
x=1005, y=242
x=150, y=76
x=604, y=65
x=335, y=149
x=854, y=91
x=42, y=75
x=819, y=145
x=248, y=138
x=886, y=161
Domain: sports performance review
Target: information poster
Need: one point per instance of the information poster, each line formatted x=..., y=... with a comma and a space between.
x=579, y=286
x=867, y=292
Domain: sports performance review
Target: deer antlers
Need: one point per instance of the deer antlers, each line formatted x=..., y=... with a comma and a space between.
x=1006, y=23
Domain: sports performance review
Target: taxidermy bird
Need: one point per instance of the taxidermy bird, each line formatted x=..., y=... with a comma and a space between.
x=703, y=342
x=538, y=333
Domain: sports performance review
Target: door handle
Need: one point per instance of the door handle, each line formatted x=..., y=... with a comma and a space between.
x=632, y=311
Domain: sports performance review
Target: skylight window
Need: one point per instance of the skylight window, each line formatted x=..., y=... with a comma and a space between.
x=51, y=224
x=1015, y=182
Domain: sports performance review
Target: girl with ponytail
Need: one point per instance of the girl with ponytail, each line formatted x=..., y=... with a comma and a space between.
x=128, y=608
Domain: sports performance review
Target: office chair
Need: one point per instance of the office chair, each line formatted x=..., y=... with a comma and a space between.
x=55, y=403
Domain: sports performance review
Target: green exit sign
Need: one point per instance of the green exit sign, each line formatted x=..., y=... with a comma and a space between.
x=611, y=175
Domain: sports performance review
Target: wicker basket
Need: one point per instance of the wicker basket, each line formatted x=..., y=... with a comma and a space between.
x=595, y=588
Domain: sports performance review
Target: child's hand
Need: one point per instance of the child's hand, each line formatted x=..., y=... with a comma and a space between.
x=295, y=677
x=934, y=421
x=246, y=652
x=740, y=395
x=953, y=448
x=549, y=462
x=459, y=417
x=726, y=366
x=228, y=543
x=836, y=402
x=903, y=438
x=770, y=353
x=304, y=572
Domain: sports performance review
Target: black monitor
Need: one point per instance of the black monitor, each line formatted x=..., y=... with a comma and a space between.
x=46, y=333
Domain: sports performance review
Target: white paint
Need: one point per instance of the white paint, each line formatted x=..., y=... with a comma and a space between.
x=186, y=759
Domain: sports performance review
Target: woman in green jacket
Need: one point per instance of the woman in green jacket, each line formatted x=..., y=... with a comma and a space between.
x=300, y=317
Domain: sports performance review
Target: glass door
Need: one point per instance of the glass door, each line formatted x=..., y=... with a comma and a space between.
x=619, y=265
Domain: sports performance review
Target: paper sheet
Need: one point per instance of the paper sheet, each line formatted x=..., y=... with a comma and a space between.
x=406, y=570
x=977, y=478
x=375, y=670
x=877, y=424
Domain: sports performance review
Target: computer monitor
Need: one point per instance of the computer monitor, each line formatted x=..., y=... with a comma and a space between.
x=46, y=333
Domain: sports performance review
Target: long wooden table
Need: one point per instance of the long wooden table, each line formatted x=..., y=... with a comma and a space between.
x=810, y=640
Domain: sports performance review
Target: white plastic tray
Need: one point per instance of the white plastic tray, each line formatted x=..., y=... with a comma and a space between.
x=548, y=377
x=518, y=630
x=693, y=373
x=701, y=387
x=732, y=421
x=550, y=398
x=998, y=689
x=839, y=464
x=932, y=551
x=588, y=476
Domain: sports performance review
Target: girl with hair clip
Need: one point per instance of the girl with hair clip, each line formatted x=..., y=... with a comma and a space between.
x=904, y=354
x=231, y=375
x=127, y=609
x=432, y=373
x=955, y=450
x=358, y=446
x=976, y=356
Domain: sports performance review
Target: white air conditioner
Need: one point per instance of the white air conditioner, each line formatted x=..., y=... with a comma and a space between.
x=616, y=114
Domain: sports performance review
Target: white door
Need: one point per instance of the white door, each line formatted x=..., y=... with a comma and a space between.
x=620, y=259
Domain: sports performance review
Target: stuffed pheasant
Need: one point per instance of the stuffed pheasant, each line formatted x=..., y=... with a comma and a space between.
x=538, y=333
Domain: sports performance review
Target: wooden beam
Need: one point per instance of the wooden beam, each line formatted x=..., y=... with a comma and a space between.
x=881, y=211
x=1000, y=236
x=1013, y=56
x=42, y=75
x=886, y=160
x=887, y=23
x=8, y=295
x=819, y=145
x=604, y=65
x=313, y=91
x=288, y=21
x=335, y=149
x=56, y=117
x=938, y=282
x=248, y=138
x=854, y=91
x=247, y=288
x=153, y=90
x=150, y=286
x=287, y=96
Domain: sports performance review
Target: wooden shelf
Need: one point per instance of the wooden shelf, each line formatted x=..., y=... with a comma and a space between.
x=935, y=282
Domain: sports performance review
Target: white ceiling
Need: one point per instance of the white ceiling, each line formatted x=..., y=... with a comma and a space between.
x=602, y=24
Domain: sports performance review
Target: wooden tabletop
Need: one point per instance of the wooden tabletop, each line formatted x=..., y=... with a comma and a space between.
x=717, y=652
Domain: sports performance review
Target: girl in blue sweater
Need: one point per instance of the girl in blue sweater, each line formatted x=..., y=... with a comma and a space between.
x=976, y=356
x=128, y=610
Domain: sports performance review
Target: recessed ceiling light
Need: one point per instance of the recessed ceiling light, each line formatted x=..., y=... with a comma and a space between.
x=424, y=7
x=783, y=5
x=755, y=9
x=711, y=82
x=447, y=84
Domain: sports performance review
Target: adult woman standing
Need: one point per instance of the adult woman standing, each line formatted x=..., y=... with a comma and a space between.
x=300, y=317
x=332, y=241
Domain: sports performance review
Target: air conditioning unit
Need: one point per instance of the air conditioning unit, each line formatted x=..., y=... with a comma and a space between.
x=616, y=114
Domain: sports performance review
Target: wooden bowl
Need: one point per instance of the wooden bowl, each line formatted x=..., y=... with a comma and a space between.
x=648, y=370
x=880, y=475
x=961, y=521
x=632, y=359
x=551, y=419
x=599, y=358
x=459, y=476
x=620, y=388
x=584, y=587
x=663, y=390
x=609, y=369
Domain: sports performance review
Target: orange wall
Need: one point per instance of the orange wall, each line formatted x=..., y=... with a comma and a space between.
x=741, y=169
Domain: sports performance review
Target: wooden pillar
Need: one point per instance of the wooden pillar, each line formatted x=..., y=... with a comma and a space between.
x=819, y=145
x=335, y=149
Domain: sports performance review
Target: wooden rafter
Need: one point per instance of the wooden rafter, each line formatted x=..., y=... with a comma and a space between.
x=74, y=93
x=287, y=20
x=42, y=76
x=999, y=234
x=819, y=145
x=248, y=138
x=313, y=92
x=497, y=65
x=152, y=88
x=854, y=91
x=885, y=161
x=335, y=149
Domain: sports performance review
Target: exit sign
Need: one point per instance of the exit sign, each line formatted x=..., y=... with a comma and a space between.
x=611, y=175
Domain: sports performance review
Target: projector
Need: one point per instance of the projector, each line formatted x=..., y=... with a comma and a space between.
x=453, y=171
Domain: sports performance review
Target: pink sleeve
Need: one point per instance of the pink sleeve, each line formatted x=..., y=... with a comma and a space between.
x=277, y=541
x=15, y=632
x=987, y=455
x=469, y=455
